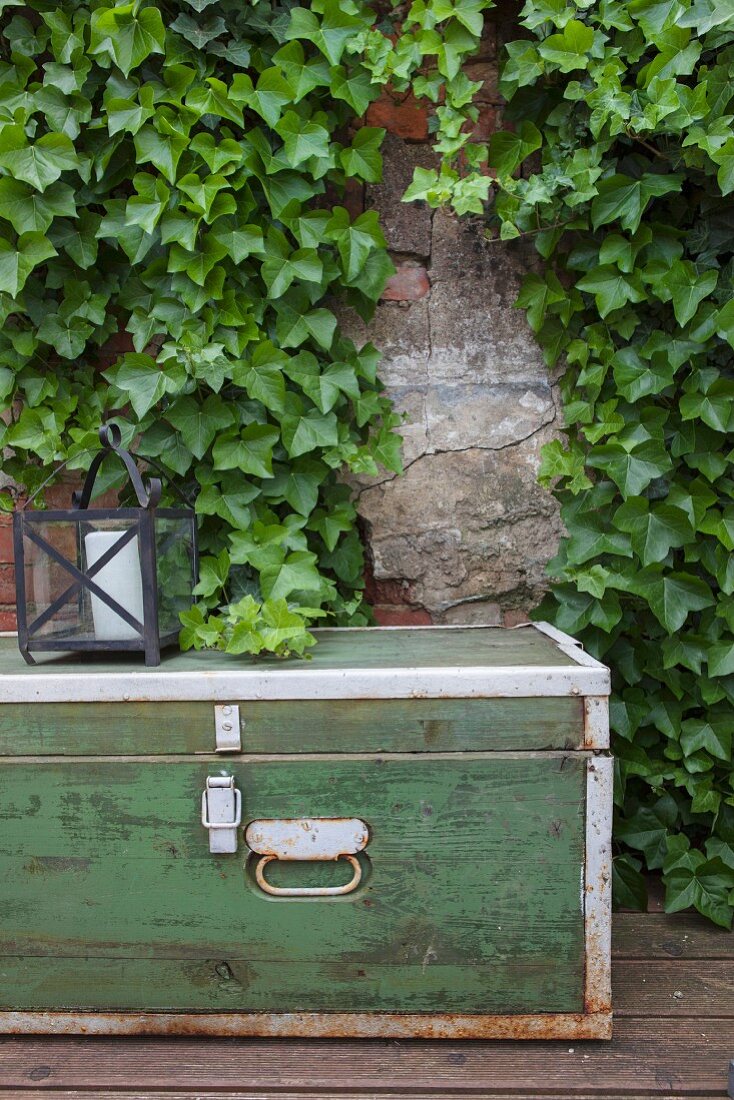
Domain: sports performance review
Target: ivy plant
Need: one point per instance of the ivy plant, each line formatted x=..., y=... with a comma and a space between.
x=172, y=245
x=625, y=110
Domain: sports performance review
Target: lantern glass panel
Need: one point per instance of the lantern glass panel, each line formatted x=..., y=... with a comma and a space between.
x=57, y=605
x=176, y=568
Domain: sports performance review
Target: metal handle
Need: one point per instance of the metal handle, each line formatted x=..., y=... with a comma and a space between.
x=307, y=891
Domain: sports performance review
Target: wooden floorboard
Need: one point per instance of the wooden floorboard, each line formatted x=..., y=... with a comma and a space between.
x=674, y=1036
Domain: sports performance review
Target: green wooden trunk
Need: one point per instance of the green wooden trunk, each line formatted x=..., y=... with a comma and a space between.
x=475, y=904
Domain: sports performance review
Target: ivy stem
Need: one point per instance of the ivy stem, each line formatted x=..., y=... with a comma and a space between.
x=530, y=232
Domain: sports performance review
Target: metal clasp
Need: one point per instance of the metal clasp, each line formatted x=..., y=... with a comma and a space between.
x=221, y=813
x=227, y=728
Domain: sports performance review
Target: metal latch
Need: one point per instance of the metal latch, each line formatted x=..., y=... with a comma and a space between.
x=227, y=728
x=221, y=813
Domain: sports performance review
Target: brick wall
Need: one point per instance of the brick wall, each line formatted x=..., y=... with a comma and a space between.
x=464, y=535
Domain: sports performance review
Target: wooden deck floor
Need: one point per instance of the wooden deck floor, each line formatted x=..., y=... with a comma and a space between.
x=674, y=1037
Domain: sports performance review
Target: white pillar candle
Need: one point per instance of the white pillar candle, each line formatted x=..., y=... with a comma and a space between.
x=121, y=579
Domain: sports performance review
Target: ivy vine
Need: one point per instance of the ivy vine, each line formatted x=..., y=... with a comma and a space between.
x=170, y=175
x=626, y=109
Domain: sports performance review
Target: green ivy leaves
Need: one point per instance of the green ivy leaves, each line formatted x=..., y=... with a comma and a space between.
x=168, y=258
x=633, y=108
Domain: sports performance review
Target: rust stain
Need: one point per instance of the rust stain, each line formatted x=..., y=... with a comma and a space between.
x=314, y=1025
x=596, y=1000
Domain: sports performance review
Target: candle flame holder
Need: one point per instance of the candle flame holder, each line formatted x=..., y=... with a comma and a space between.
x=104, y=580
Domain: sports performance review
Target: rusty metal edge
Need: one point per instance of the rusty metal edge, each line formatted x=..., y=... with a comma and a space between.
x=358, y=1025
x=596, y=722
x=597, y=885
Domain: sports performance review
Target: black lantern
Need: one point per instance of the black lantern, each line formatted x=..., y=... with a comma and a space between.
x=104, y=580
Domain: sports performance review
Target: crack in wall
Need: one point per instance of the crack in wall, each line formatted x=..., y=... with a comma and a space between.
x=462, y=450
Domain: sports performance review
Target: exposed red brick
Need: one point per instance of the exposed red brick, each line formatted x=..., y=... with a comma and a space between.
x=388, y=591
x=118, y=344
x=486, y=72
x=408, y=284
x=407, y=119
x=402, y=616
x=7, y=584
x=485, y=125
x=8, y=620
x=514, y=617
x=6, y=540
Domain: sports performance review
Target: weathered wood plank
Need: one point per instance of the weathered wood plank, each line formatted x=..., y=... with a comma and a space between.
x=643, y=1060
x=313, y=725
x=108, y=858
x=432, y=647
x=642, y=986
x=538, y=1091
x=657, y=936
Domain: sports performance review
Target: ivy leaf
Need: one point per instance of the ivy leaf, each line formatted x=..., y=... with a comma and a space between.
x=625, y=199
x=199, y=423
x=634, y=469
x=672, y=596
x=612, y=289
x=537, y=295
x=568, y=49
x=637, y=378
x=262, y=376
x=648, y=828
x=712, y=403
x=693, y=880
x=355, y=88
x=508, y=150
x=228, y=498
x=213, y=572
x=18, y=261
x=654, y=530
x=162, y=442
x=363, y=158
x=128, y=115
x=302, y=139
x=721, y=660
x=629, y=888
x=267, y=97
x=280, y=625
x=278, y=272
x=250, y=451
x=30, y=211
x=688, y=289
x=65, y=113
x=714, y=736
x=200, y=5
x=330, y=33
x=66, y=335
x=163, y=150
x=140, y=379
x=39, y=164
x=297, y=572
x=127, y=33
x=305, y=433
x=199, y=32
x=78, y=238
x=239, y=241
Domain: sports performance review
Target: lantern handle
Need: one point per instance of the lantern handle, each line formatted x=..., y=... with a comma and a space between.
x=110, y=437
